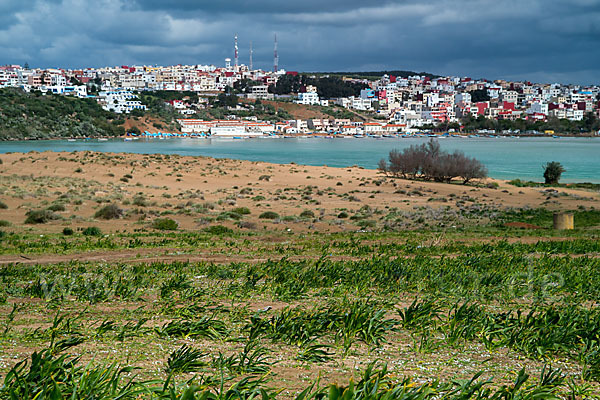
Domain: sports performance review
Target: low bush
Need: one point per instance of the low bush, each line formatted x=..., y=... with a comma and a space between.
x=111, y=211
x=3, y=205
x=218, y=230
x=343, y=214
x=247, y=225
x=269, y=215
x=4, y=223
x=40, y=216
x=92, y=231
x=139, y=201
x=67, y=231
x=227, y=215
x=57, y=207
x=307, y=214
x=165, y=224
x=241, y=210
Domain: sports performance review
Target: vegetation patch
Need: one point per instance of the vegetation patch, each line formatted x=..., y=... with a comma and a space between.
x=40, y=216
x=165, y=224
x=269, y=215
x=110, y=211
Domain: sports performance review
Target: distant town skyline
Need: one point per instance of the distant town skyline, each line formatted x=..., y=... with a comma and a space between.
x=541, y=41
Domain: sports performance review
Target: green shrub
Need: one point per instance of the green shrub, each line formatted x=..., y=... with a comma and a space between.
x=269, y=215
x=3, y=205
x=552, y=172
x=264, y=178
x=247, y=225
x=258, y=198
x=368, y=223
x=165, y=224
x=343, y=214
x=79, y=170
x=57, y=207
x=67, y=231
x=241, y=210
x=307, y=214
x=92, y=231
x=4, y=223
x=111, y=211
x=139, y=201
x=218, y=230
x=40, y=216
x=227, y=215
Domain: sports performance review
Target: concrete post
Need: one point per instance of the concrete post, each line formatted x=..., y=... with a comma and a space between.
x=563, y=221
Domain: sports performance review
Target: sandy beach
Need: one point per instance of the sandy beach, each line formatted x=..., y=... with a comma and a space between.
x=195, y=191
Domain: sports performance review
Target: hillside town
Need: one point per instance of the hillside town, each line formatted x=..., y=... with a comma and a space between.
x=387, y=105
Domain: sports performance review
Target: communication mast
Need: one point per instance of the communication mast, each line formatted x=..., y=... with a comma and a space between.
x=251, y=68
x=275, y=57
x=236, y=52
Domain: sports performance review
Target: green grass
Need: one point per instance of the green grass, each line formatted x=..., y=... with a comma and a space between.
x=580, y=185
x=307, y=303
x=544, y=218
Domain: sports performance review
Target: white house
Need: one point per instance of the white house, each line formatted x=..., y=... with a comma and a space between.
x=308, y=98
x=120, y=101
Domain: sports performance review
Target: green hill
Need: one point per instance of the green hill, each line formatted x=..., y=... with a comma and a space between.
x=36, y=116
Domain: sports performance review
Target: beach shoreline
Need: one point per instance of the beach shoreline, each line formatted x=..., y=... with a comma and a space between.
x=175, y=186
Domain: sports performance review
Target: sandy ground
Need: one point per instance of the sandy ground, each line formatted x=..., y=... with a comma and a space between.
x=195, y=190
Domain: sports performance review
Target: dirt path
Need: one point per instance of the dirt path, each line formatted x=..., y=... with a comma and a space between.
x=125, y=255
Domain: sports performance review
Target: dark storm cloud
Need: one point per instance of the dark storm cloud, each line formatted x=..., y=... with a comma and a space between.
x=253, y=6
x=539, y=40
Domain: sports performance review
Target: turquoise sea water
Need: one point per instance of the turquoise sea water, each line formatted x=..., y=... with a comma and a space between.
x=505, y=158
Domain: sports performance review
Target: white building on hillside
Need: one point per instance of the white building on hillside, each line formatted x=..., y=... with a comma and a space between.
x=309, y=97
x=120, y=101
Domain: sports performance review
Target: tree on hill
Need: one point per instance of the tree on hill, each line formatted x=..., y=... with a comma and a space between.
x=286, y=84
x=327, y=87
x=227, y=100
x=479, y=95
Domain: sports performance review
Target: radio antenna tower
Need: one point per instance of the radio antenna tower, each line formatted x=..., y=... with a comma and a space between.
x=251, y=68
x=275, y=57
x=236, y=52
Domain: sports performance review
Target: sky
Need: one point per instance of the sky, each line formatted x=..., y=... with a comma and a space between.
x=535, y=40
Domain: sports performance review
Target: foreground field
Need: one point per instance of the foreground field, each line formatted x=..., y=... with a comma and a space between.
x=471, y=297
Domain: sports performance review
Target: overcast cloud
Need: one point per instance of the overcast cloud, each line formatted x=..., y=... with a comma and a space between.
x=537, y=40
